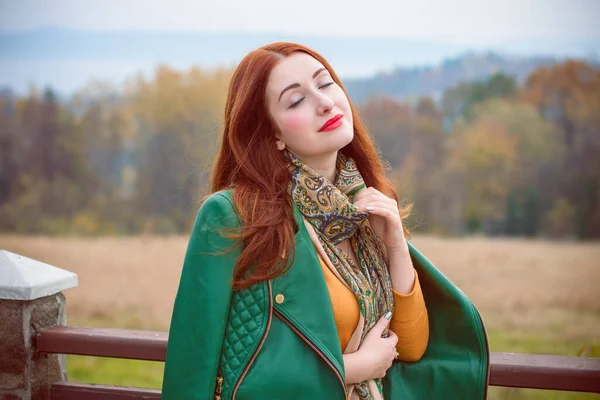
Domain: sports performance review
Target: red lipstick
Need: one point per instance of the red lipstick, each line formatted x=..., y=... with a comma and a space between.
x=332, y=123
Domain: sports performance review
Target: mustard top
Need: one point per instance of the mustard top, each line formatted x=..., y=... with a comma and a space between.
x=409, y=321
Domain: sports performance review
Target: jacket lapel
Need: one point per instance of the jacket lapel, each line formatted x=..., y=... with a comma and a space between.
x=302, y=297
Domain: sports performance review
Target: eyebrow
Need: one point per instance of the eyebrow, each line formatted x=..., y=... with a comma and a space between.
x=295, y=85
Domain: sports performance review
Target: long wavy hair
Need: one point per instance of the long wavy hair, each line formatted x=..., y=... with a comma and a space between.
x=249, y=163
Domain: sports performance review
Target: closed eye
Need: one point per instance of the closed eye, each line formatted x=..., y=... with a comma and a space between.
x=296, y=103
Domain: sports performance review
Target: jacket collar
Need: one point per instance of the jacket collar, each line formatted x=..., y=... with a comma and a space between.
x=306, y=302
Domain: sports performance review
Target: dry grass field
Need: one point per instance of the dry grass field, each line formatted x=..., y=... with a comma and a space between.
x=535, y=296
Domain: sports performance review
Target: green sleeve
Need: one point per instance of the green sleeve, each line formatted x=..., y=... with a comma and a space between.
x=201, y=305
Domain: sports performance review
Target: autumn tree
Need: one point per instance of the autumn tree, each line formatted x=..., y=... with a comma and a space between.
x=568, y=95
x=178, y=117
x=459, y=101
x=504, y=154
x=49, y=173
x=412, y=141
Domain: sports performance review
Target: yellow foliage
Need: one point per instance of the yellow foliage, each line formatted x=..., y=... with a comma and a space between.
x=503, y=147
x=559, y=220
x=566, y=92
x=86, y=223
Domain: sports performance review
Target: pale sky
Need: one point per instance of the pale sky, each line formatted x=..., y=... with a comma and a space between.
x=466, y=22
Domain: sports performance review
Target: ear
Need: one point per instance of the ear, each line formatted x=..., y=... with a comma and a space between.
x=280, y=145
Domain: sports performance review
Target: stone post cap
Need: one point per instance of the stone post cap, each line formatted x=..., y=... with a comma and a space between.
x=22, y=278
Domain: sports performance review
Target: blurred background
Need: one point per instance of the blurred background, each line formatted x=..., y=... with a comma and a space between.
x=487, y=113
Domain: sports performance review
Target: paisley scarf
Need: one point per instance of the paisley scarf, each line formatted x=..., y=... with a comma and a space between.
x=330, y=210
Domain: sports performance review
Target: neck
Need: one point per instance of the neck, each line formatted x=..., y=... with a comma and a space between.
x=326, y=166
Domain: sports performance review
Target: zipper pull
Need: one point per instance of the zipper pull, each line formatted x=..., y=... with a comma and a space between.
x=219, y=388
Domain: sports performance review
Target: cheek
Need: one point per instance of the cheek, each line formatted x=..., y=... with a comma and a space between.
x=344, y=104
x=341, y=100
x=293, y=123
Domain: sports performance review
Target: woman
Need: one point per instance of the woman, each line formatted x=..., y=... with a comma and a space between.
x=298, y=281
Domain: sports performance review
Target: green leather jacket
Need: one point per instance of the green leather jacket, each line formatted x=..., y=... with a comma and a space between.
x=278, y=339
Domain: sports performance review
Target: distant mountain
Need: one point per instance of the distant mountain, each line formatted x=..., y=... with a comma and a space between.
x=67, y=59
x=410, y=83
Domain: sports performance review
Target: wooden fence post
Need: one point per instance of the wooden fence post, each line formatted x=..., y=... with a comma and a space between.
x=30, y=301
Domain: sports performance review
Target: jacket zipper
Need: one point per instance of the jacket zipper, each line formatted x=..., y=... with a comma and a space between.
x=315, y=348
x=260, y=344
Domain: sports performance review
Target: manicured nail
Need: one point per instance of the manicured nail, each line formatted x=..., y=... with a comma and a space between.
x=388, y=315
x=370, y=208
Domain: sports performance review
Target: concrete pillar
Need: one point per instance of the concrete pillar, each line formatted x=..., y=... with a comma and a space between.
x=30, y=301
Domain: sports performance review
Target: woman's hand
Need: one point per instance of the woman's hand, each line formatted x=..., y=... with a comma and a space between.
x=375, y=355
x=384, y=218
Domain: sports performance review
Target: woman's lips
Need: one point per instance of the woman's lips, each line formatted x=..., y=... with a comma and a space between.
x=332, y=123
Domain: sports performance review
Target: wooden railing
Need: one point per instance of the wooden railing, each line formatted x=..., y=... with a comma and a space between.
x=507, y=369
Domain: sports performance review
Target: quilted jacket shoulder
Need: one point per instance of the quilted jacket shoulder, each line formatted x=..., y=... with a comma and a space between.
x=203, y=300
x=247, y=322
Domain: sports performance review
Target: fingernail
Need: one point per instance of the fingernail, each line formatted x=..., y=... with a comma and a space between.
x=370, y=208
x=388, y=315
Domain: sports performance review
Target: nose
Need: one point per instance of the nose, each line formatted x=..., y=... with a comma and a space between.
x=324, y=105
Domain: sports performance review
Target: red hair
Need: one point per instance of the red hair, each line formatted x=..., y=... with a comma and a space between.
x=249, y=163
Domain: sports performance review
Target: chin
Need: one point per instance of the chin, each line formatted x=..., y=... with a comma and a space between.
x=345, y=139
